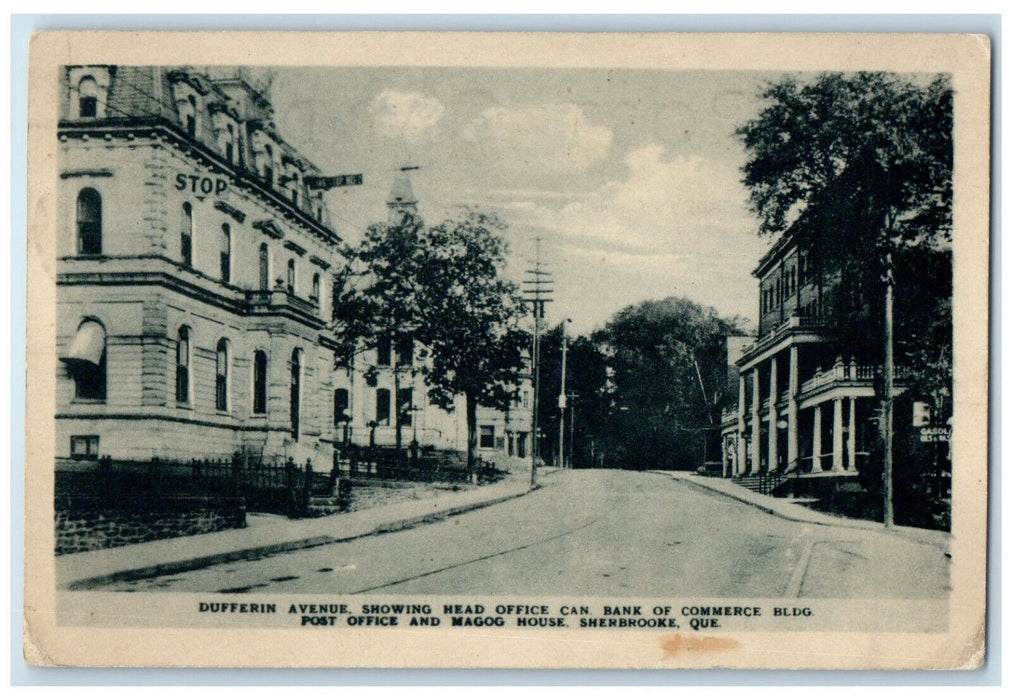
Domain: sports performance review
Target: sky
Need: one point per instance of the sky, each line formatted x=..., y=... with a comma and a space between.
x=632, y=179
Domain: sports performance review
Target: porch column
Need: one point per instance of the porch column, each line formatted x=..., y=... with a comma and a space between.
x=792, y=410
x=739, y=454
x=837, y=435
x=852, y=435
x=756, y=425
x=817, y=440
x=771, y=464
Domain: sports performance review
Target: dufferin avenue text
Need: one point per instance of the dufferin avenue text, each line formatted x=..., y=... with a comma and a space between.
x=514, y=615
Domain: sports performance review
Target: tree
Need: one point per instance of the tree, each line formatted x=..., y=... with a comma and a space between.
x=471, y=318
x=668, y=372
x=858, y=169
x=383, y=309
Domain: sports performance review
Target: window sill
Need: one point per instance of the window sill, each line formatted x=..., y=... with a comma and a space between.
x=89, y=402
x=184, y=405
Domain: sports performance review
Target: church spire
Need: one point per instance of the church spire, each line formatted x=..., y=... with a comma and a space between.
x=402, y=197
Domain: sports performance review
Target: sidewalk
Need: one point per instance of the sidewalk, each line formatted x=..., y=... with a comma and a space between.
x=788, y=510
x=268, y=534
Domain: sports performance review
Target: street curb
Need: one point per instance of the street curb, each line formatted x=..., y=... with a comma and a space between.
x=840, y=522
x=261, y=551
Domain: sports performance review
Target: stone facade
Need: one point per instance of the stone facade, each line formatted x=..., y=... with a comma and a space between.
x=190, y=239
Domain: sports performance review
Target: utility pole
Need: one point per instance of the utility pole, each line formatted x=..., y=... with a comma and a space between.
x=537, y=287
x=562, y=398
x=887, y=404
x=572, y=427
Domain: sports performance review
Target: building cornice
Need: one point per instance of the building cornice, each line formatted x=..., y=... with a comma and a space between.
x=161, y=128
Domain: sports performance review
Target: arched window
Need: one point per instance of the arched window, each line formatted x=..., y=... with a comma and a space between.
x=315, y=298
x=191, y=117
x=221, y=376
x=85, y=361
x=186, y=235
x=291, y=276
x=226, y=253
x=183, y=365
x=259, y=382
x=295, y=189
x=296, y=392
x=341, y=405
x=89, y=222
x=265, y=267
x=269, y=165
x=383, y=406
x=87, y=91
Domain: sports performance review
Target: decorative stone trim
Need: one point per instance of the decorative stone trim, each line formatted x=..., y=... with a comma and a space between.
x=295, y=247
x=270, y=227
x=236, y=214
x=97, y=172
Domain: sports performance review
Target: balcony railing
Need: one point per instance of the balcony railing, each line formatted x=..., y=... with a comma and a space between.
x=279, y=298
x=791, y=325
x=839, y=373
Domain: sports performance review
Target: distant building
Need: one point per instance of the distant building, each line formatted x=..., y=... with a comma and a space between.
x=388, y=379
x=193, y=270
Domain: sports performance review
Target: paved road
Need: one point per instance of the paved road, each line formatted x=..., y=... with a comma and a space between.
x=598, y=533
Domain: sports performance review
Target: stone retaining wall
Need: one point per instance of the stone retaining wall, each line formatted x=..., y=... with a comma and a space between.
x=88, y=523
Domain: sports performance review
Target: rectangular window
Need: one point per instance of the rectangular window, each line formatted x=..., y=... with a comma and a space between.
x=383, y=352
x=405, y=352
x=486, y=439
x=341, y=405
x=383, y=406
x=89, y=106
x=84, y=446
x=405, y=404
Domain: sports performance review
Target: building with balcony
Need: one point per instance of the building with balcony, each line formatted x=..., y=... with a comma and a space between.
x=193, y=271
x=804, y=404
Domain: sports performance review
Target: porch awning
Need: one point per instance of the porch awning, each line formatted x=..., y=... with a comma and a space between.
x=88, y=345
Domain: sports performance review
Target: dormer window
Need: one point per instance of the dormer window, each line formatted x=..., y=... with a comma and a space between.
x=89, y=87
x=87, y=91
x=230, y=144
x=269, y=165
x=191, y=117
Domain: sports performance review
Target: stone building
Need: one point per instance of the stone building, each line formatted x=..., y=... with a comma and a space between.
x=803, y=403
x=192, y=272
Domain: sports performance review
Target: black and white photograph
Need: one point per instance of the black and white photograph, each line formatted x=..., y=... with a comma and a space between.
x=510, y=354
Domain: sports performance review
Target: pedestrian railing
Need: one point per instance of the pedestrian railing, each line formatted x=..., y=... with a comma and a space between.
x=270, y=486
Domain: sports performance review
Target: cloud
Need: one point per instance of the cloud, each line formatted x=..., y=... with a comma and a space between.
x=405, y=115
x=556, y=137
x=671, y=225
x=686, y=205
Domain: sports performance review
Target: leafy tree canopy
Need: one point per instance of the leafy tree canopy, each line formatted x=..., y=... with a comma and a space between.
x=853, y=159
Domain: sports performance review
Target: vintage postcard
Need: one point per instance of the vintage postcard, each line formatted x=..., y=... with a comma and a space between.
x=512, y=350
